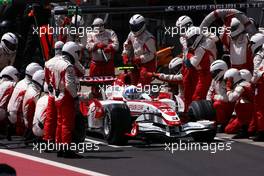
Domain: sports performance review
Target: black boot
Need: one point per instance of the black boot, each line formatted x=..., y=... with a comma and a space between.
x=259, y=137
x=242, y=133
x=71, y=154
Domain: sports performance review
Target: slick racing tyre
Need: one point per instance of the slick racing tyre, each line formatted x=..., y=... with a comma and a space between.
x=204, y=136
x=79, y=133
x=201, y=110
x=117, y=122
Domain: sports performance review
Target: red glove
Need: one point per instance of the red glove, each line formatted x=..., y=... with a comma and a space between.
x=125, y=59
x=136, y=61
x=108, y=49
x=156, y=75
x=149, y=74
x=100, y=46
x=229, y=84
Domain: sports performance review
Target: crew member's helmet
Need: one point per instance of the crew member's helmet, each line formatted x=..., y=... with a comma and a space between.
x=10, y=72
x=137, y=24
x=9, y=42
x=72, y=50
x=98, y=24
x=236, y=27
x=175, y=65
x=246, y=75
x=218, y=69
x=233, y=75
x=38, y=78
x=32, y=68
x=256, y=41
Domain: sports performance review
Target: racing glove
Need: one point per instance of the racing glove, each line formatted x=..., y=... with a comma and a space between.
x=149, y=74
x=136, y=60
x=100, y=46
x=125, y=59
x=108, y=49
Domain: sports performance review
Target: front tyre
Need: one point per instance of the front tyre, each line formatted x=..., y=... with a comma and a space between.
x=116, y=123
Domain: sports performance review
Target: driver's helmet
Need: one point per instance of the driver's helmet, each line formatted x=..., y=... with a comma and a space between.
x=131, y=93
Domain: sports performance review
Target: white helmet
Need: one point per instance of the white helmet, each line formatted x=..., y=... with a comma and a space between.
x=246, y=75
x=73, y=50
x=58, y=47
x=256, y=42
x=193, y=36
x=98, y=24
x=236, y=27
x=32, y=68
x=218, y=69
x=38, y=77
x=137, y=24
x=183, y=23
x=176, y=64
x=131, y=93
x=80, y=21
x=9, y=42
x=233, y=74
x=11, y=72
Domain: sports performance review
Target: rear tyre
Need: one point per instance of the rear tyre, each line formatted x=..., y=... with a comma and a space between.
x=201, y=110
x=117, y=122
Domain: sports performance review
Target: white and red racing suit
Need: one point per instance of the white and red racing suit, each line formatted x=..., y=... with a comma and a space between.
x=202, y=58
x=40, y=115
x=51, y=119
x=65, y=94
x=29, y=104
x=5, y=58
x=240, y=52
x=14, y=107
x=242, y=95
x=6, y=89
x=142, y=48
x=100, y=65
x=257, y=123
x=224, y=108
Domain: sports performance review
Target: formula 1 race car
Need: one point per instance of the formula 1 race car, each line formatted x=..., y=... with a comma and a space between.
x=119, y=117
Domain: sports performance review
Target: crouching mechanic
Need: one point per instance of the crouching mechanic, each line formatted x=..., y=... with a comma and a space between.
x=40, y=114
x=217, y=94
x=65, y=93
x=239, y=90
x=257, y=123
x=139, y=49
x=204, y=51
x=8, y=47
x=14, y=107
x=9, y=79
x=32, y=94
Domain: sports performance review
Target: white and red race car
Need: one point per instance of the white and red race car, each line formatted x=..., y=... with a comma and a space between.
x=119, y=118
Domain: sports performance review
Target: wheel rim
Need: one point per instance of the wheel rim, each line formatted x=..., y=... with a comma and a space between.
x=107, y=124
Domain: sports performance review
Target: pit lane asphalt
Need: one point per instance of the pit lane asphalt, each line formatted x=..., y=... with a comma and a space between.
x=151, y=160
